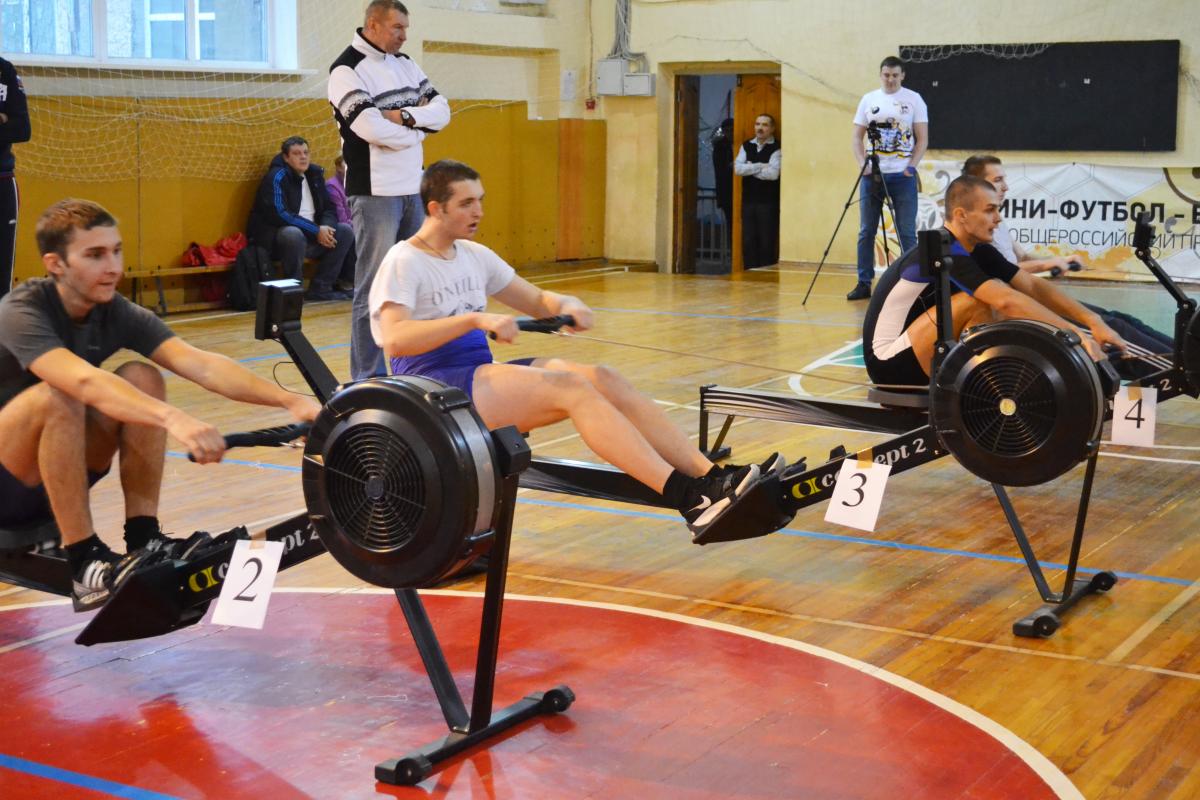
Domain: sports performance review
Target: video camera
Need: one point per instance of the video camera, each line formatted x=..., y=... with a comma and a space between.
x=874, y=128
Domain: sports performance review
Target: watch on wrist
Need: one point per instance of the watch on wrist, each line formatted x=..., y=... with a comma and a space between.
x=406, y=117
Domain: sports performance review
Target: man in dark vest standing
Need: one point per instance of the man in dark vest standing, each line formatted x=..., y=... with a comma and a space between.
x=758, y=163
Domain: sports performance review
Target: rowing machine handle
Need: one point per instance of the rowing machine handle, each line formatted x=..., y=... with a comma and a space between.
x=266, y=437
x=543, y=325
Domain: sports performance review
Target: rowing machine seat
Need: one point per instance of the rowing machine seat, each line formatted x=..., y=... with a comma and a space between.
x=29, y=536
x=918, y=399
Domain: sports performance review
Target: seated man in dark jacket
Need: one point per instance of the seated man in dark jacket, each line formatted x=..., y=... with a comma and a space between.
x=293, y=218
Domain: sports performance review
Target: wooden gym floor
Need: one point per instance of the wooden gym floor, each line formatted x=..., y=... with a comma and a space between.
x=823, y=662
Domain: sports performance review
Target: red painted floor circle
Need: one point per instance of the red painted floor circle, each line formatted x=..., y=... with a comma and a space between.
x=667, y=708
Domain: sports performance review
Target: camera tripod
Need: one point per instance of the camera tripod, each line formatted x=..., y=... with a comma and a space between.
x=873, y=137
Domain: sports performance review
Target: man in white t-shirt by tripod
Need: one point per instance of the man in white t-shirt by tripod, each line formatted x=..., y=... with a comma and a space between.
x=897, y=121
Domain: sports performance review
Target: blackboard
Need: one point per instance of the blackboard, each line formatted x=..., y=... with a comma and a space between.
x=1119, y=96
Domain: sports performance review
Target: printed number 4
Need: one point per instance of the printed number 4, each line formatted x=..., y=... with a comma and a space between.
x=258, y=567
x=1134, y=414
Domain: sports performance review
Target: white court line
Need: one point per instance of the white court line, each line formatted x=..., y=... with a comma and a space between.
x=8, y=648
x=1149, y=626
x=13, y=590
x=827, y=359
x=1159, y=446
x=1150, y=458
x=224, y=315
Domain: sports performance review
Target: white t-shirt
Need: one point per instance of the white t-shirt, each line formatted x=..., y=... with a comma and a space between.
x=1002, y=241
x=902, y=109
x=307, y=210
x=432, y=288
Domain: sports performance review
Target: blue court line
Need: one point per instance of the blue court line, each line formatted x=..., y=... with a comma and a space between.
x=828, y=537
x=80, y=780
x=833, y=537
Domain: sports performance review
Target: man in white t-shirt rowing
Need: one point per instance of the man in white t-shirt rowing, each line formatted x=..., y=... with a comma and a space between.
x=898, y=122
x=428, y=307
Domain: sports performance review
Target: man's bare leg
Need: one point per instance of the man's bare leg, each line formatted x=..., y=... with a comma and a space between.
x=671, y=443
x=531, y=397
x=143, y=448
x=965, y=311
x=44, y=440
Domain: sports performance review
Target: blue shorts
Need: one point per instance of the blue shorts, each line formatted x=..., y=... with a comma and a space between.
x=21, y=504
x=464, y=377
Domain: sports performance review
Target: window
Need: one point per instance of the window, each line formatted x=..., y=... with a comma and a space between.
x=227, y=32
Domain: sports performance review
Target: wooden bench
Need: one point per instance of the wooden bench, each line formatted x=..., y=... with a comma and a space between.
x=137, y=276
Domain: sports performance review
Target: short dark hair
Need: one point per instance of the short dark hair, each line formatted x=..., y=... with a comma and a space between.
x=976, y=166
x=768, y=116
x=290, y=142
x=58, y=223
x=961, y=192
x=438, y=181
x=891, y=61
x=377, y=8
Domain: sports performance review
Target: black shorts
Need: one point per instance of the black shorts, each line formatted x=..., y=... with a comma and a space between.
x=902, y=369
x=22, y=505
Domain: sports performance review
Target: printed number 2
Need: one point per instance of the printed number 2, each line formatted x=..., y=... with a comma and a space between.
x=258, y=567
x=857, y=490
x=1134, y=414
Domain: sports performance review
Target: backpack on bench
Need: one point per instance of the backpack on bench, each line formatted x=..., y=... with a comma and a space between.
x=251, y=267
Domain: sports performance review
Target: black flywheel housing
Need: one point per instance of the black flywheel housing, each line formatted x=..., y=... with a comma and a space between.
x=400, y=480
x=1018, y=402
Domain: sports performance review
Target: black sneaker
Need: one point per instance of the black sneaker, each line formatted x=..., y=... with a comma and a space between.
x=179, y=549
x=132, y=562
x=708, y=497
x=771, y=465
x=92, y=586
x=861, y=291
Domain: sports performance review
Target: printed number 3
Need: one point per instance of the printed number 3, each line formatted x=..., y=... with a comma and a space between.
x=258, y=567
x=857, y=490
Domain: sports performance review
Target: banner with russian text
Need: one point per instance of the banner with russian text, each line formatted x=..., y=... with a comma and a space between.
x=1085, y=210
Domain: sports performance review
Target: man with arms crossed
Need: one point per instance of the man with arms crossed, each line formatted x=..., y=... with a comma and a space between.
x=900, y=328
x=384, y=106
x=428, y=313
x=63, y=418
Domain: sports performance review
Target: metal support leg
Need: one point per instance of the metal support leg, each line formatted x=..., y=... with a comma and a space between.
x=466, y=732
x=1047, y=619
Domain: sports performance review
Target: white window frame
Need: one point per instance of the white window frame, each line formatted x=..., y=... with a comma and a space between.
x=282, y=45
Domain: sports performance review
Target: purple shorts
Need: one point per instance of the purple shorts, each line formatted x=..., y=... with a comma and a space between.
x=464, y=377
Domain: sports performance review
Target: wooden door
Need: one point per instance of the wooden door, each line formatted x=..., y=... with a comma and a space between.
x=687, y=126
x=754, y=95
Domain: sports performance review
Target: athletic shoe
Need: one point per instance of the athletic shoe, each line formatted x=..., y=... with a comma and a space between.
x=132, y=562
x=91, y=587
x=709, y=497
x=861, y=291
x=771, y=465
x=179, y=549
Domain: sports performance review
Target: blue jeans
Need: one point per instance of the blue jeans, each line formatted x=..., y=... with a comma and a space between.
x=379, y=222
x=903, y=191
x=291, y=247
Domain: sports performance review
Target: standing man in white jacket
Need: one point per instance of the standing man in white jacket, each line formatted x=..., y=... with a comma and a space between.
x=384, y=106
